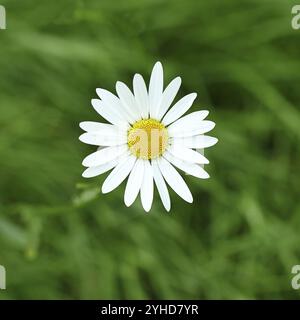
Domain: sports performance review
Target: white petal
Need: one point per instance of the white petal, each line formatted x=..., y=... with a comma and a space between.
x=147, y=187
x=189, y=120
x=174, y=180
x=200, y=141
x=134, y=182
x=105, y=131
x=119, y=174
x=141, y=95
x=168, y=96
x=201, y=151
x=156, y=89
x=104, y=155
x=102, y=140
x=105, y=135
x=113, y=102
x=108, y=113
x=192, y=129
x=96, y=171
x=186, y=154
x=161, y=186
x=190, y=168
x=180, y=108
x=127, y=100
x=91, y=126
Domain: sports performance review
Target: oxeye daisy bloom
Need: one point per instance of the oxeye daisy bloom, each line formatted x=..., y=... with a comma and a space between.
x=146, y=138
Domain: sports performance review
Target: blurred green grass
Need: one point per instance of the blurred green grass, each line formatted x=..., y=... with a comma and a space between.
x=60, y=238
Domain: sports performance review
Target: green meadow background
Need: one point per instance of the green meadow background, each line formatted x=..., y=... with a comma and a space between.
x=60, y=238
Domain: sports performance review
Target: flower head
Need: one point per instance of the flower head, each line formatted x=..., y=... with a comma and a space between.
x=146, y=138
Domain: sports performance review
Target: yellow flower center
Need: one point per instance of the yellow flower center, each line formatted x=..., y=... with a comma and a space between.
x=147, y=139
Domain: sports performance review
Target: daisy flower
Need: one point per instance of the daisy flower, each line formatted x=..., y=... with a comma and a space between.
x=146, y=138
